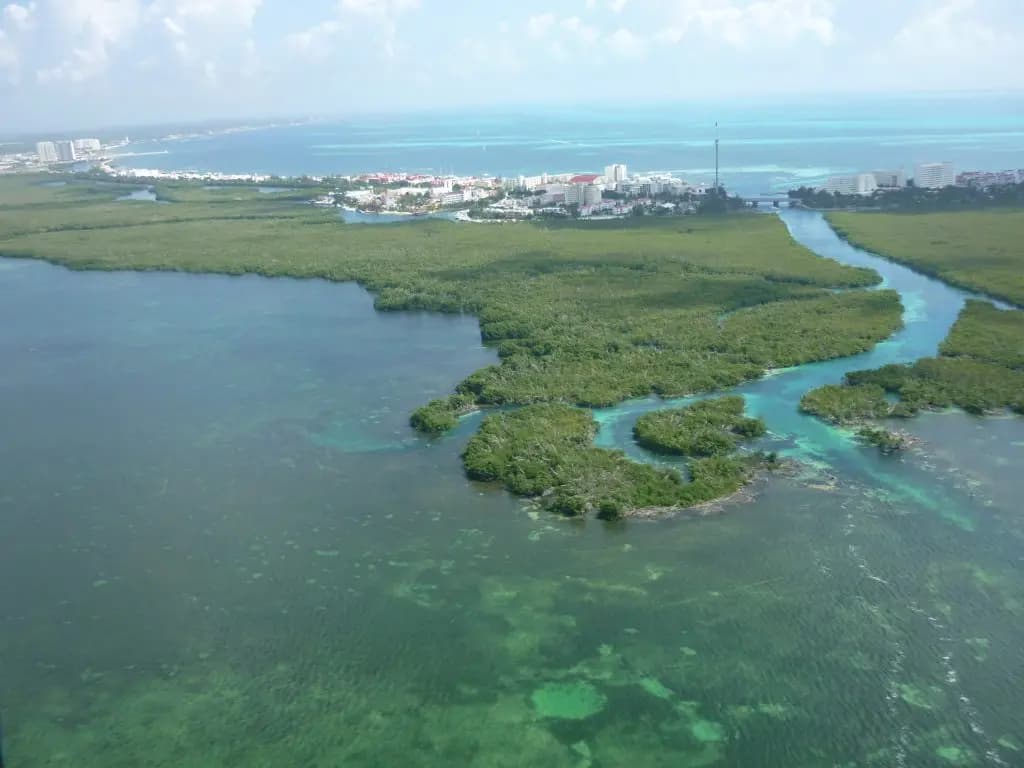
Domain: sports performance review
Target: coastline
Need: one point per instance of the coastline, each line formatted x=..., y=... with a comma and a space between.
x=386, y=299
x=730, y=232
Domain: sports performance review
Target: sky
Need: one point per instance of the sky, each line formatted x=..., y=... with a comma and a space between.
x=91, y=63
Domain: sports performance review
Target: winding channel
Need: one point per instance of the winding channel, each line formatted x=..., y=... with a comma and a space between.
x=930, y=307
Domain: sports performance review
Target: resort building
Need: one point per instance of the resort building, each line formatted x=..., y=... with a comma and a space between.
x=46, y=151
x=586, y=178
x=985, y=179
x=858, y=184
x=87, y=146
x=65, y=151
x=585, y=193
x=889, y=179
x=456, y=198
x=614, y=174
x=934, y=175
x=524, y=182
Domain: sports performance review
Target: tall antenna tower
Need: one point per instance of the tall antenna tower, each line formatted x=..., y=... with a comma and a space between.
x=716, y=157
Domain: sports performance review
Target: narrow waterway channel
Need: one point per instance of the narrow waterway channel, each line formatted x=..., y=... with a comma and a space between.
x=930, y=307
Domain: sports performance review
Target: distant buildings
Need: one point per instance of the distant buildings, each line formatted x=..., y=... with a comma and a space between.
x=985, y=179
x=583, y=193
x=857, y=184
x=865, y=184
x=934, y=175
x=464, y=195
x=393, y=197
x=87, y=146
x=890, y=179
x=525, y=182
x=46, y=151
x=614, y=174
x=65, y=151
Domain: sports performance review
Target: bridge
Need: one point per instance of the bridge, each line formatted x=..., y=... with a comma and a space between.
x=777, y=200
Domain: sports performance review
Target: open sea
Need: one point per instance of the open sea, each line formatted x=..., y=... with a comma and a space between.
x=767, y=147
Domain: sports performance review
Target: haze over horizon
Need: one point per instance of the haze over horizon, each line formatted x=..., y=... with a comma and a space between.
x=77, y=63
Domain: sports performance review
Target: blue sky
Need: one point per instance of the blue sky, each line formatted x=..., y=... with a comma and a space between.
x=81, y=63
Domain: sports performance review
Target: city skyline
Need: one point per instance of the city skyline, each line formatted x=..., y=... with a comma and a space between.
x=65, y=64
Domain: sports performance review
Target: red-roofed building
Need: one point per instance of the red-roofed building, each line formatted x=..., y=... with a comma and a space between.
x=586, y=178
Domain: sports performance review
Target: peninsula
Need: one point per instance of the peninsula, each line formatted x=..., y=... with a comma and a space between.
x=582, y=315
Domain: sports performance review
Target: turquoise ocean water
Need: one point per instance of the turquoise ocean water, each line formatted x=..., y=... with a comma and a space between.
x=765, y=147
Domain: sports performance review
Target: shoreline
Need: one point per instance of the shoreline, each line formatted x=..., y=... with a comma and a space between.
x=638, y=513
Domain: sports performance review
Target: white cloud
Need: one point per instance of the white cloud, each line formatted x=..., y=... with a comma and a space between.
x=670, y=35
x=110, y=21
x=626, y=44
x=316, y=42
x=538, y=26
x=500, y=57
x=173, y=27
x=762, y=23
x=560, y=36
x=93, y=28
x=384, y=14
x=15, y=22
x=19, y=17
x=209, y=38
x=10, y=61
x=949, y=27
x=210, y=12
x=616, y=6
x=379, y=7
x=251, y=65
x=573, y=25
x=83, y=64
x=951, y=44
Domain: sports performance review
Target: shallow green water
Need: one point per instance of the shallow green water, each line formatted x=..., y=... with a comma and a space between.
x=221, y=545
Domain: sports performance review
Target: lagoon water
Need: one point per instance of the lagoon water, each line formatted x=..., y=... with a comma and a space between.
x=222, y=545
x=765, y=147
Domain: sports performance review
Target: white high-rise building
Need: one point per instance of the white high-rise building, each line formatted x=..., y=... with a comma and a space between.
x=583, y=194
x=934, y=175
x=615, y=173
x=65, y=151
x=87, y=145
x=889, y=179
x=47, y=152
x=860, y=184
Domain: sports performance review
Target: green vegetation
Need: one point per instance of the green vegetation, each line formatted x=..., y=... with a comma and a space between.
x=912, y=198
x=943, y=382
x=546, y=451
x=588, y=314
x=842, y=404
x=883, y=439
x=584, y=314
x=980, y=369
x=978, y=250
x=706, y=428
x=985, y=333
x=442, y=414
x=220, y=194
